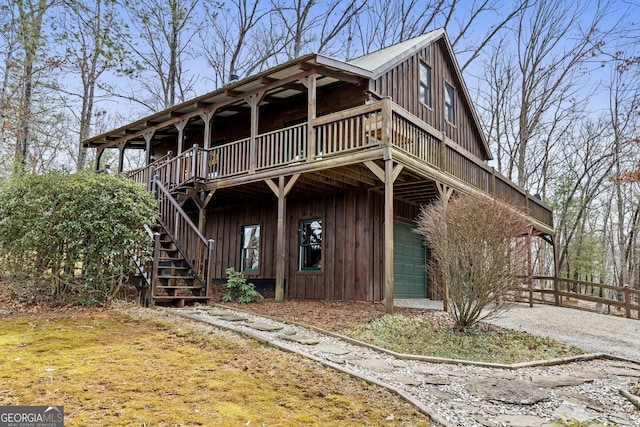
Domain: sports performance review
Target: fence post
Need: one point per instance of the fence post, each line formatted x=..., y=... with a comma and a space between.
x=627, y=301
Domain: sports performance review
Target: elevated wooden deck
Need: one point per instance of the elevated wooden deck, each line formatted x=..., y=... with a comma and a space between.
x=358, y=140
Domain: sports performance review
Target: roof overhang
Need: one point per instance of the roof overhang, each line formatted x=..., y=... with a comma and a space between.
x=275, y=83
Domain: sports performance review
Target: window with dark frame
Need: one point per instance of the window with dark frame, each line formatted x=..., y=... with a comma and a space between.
x=310, y=245
x=250, y=248
x=449, y=103
x=425, y=84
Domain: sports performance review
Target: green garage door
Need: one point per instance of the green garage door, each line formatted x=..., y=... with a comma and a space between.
x=409, y=260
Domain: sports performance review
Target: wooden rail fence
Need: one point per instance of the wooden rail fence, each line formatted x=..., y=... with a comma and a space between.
x=577, y=293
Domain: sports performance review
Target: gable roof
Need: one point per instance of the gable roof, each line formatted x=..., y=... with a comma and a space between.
x=369, y=66
x=383, y=60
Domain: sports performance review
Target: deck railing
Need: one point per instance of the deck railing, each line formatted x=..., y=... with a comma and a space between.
x=357, y=128
x=281, y=147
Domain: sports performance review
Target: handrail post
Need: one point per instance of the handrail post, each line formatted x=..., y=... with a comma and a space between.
x=387, y=116
x=443, y=152
x=211, y=250
x=194, y=162
x=154, y=269
x=627, y=301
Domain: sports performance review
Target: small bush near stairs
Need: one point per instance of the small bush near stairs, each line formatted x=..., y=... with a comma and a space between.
x=64, y=236
x=238, y=288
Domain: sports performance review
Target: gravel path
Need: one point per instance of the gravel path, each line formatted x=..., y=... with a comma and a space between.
x=460, y=395
x=592, y=332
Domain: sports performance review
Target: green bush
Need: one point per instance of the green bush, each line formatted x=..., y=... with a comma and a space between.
x=238, y=288
x=64, y=237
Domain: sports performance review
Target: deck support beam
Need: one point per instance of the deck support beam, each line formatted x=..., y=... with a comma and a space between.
x=281, y=190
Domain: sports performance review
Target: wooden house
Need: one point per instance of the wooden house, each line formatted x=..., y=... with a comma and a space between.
x=309, y=176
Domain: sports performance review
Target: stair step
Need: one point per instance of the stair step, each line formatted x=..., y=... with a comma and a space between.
x=178, y=287
x=163, y=276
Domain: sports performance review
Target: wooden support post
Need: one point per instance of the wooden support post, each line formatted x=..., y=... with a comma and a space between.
x=121, y=148
x=388, y=235
x=206, y=117
x=310, y=83
x=281, y=190
x=387, y=116
x=254, y=103
x=443, y=153
x=177, y=179
x=148, y=136
x=180, y=126
x=99, y=153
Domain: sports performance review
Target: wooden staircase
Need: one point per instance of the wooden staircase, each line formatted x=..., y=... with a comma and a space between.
x=181, y=267
x=175, y=281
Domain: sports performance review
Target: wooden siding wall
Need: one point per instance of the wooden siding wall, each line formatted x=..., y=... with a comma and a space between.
x=402, y=84
x=352, y=243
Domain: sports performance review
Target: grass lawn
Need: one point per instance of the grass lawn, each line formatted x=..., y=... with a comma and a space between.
x=415, y=335
x=141, y=368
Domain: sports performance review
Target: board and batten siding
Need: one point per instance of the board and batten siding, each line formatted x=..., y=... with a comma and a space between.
x=353, y=247
x=401, y=83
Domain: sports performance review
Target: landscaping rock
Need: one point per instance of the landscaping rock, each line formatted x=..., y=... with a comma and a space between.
x=516, y=392
x=407, y=380
x=570, y=412
x=232, y=318
x=375, y=365
x=554, y=381
x=300, y=339
x=331, y=349
x=265, y=327
x=524, y=421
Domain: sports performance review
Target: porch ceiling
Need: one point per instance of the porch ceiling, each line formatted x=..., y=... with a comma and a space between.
x=278, y=83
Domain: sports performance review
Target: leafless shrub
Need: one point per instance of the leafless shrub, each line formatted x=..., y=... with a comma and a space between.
x=473, y=240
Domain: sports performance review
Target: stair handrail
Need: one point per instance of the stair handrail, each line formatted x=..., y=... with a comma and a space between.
x=194, y=247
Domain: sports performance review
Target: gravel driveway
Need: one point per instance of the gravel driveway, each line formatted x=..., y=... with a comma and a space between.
x=593, y=332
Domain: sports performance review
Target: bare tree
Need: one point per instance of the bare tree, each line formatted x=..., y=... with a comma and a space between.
x=473, y=241
x=28, y=16
x=162, y=41
x=93, y=38
x=240, y=39
x=314, y=25
x=471, y=27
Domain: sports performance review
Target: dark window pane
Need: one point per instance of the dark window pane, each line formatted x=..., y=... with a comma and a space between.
x=250, y=248
x=311, y=244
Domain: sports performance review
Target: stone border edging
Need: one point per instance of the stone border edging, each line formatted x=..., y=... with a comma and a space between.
x=444, y=360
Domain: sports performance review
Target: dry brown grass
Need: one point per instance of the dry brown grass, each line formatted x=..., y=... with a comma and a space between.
x=132, y=366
